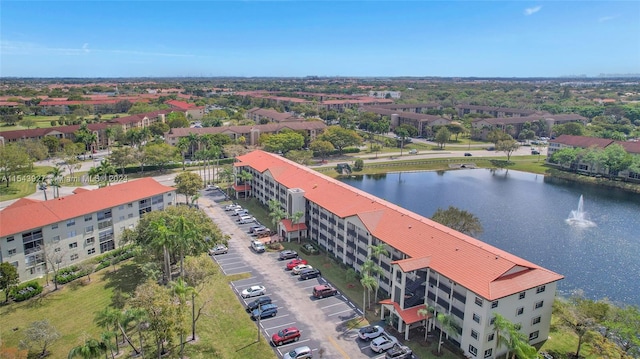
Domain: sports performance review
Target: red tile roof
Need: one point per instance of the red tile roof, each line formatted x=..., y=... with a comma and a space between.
x=290, y=227
x=181, y=105
x=20, y=216
x=478, y=266
x=409, y=315
x=582, y=141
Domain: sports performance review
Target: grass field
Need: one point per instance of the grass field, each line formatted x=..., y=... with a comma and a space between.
x=224, y=331
x=24, y=186
x=45, y=121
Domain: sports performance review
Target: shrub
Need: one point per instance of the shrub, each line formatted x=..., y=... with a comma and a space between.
x=69, y=274
x=309, y=249
x=26, y=290
x=358, y=165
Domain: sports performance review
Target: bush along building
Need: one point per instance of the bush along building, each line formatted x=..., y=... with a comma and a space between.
x=34, y=235
x=428, y=263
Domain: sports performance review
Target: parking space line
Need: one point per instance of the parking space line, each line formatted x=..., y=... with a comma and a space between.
x=342, y=311
x=242, y=280
x=331, y=305
x=294, y=343
x=281, y=326
x=235, y=266
x=272, y=318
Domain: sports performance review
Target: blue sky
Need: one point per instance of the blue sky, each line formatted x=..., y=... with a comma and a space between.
x=323, y=38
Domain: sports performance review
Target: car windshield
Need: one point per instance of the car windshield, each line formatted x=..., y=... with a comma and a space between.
x=293, y=353
x=281, y=333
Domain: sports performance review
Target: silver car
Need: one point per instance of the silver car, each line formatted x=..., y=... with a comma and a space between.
x=299, y=353
x=218, y=249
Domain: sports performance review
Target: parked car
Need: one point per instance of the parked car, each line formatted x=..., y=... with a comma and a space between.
x=399, y=352
x=295, y=262
x=246, y=219
x=257, y=227
x=253, y=291
x=299, y=353
x=370, y=332
x=218, y=249
x=258, y=246
x=383, y=343
x=291, y=334
x=309, y=273
x=535, y=152
x=231, y=207
x=211, y=187
x=324, y=290
x=288, y=254
x=258, y=303
x=240, y=212
x=299, y=268
x=265, y=311
x=468, y=154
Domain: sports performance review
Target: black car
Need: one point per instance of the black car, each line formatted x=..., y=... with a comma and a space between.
x=288, y=254
x=467, y=154
x=258, y=303
x=309, y=273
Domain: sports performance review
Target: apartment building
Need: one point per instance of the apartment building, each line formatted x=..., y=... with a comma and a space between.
x=428, y=263
x=71, y=229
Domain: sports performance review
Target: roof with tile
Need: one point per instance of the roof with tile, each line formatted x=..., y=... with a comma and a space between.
x=586, y=142
x=22, y=216
x=409, y=315
x=181, y=105
x=478, y=266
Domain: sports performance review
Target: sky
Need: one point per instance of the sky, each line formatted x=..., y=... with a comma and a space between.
x=144, y=38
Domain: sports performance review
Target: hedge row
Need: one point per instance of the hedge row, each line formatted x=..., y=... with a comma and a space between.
x=113, y=257
x=26, y=290
x=66, y=275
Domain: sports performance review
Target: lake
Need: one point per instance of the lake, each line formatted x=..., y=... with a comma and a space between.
x=526, y=214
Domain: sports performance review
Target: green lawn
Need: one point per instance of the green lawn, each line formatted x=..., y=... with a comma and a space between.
x=24, y=187
x=224, y=330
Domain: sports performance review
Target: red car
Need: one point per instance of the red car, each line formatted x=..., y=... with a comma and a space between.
x=291, y=334
x=295, y=262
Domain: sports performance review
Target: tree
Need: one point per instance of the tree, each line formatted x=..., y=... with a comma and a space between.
x=123, y=157
x=615, y=159
x=368, y=284
x=103, y=172
x=302, y=157
x=89, y=349
x=56, y=176
x=52, y=143
x=402, y=133
x=566, y=156
x=177, y=119
x=40, y=333
x=571, y=128
x=182, y=290
x=162, y=314
x=283, y=142
x=576, y=317
x=183, y=146
x=27, y=122
x=197, y=272
x=12, y=161
x=447, y=324
x=110, y=134
x=496, y=135
x=70, y=154
x=508, y=147
x=9, y=278
x=36, y=150
x=426, y=312
x=85, y=136
x=159, y=154
x=245, y=177
x=159, y=128
x=377, y=252
x=188, y=184
x=276, y=213
x=458, y=219
x=442, y=137
x=110, y=319
x=340, y=137
x=321, y=148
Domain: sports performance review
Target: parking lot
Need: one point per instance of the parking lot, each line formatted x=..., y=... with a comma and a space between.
x=320, y=321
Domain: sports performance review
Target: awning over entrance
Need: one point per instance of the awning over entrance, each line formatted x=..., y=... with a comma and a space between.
x=290, y=227
x=409, y=315
x=241, y=187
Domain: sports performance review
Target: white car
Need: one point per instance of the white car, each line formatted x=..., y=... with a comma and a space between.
x=383, y=343
x=253, y=291
x=299, y=268
x=370, y=332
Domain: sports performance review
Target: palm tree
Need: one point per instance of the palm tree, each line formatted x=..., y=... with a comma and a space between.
x=41, y=181
x=245, y=177
x=56, y=173
x=110, y=133
x=91, y=348
x=163, y=237
x=104, y=170
x=227, y=174
x=447, y=323
x=378, y=251
x=109, y=319
x=426, y=312
x=181, y=289
x=295, y=218
x=501, y=327
x=183, y=146
x=368, y=284
x=185, y=238
x=105, y=338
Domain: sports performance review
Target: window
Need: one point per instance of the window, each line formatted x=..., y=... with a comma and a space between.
x=11, y=251
x=479, y=301
x=535, y=320
x=519, y=311
x=106, y=214
x=490, y=337
x=55, y=239
x=492, y=321
x=539, y=304
x=494, y=304
x=534, y=335
x=88, y=229
x=88, y=217
x=476, y=318
x=73, y=245
x=488, y=353
x=71, y=222
x=129, y=205
x=121, y=206
x=71, y=234
x=540, y=289
x=522, y=295
x=130, y=215
x=473, y=350
x=91, y=251
x=54, y=226
x=91, y=240
x=474, y=334
x=74, y=257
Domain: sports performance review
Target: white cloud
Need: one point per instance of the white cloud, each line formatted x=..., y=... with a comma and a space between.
x=607, y=18
x=8, y=47
x=532, y=10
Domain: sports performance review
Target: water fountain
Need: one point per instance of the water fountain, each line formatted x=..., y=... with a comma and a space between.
x=578, y=217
